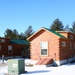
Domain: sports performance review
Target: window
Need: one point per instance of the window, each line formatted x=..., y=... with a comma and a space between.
x=43, y=51
x=71, y=36
x=44, y=48
x=2, y=40
x=25, y=49
x=10, y=49
x=70, y=45
x=0, y=47
x=64, y=44
x=74, y=46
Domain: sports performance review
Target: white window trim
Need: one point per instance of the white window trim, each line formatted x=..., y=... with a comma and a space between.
x=9, y=52
x=10, y=49
x=40, y=48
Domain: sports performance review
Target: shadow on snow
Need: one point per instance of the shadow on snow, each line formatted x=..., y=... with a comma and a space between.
x=39, y=71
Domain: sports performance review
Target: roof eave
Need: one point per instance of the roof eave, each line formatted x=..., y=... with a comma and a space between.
x=35, y=34
x=39, y=31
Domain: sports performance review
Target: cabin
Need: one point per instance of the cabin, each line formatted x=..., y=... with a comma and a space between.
x=12, y=47
x=52, y=47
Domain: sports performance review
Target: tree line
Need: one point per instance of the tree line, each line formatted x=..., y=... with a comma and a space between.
x=57, y=25
x=13, y=34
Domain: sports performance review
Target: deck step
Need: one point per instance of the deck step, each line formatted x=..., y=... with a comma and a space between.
x=40, y=61
x=47, y=61
x=44, y=61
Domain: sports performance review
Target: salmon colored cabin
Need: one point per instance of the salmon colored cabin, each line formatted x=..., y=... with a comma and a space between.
x=12, y=47
x=58, y=46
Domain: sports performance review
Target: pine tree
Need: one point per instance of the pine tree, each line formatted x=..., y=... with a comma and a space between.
x=57, y=25
x=13, y=34
x=67, y=28
x=73, y=27
x=29, y=32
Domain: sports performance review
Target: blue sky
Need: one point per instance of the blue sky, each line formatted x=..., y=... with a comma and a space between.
x=19, y=14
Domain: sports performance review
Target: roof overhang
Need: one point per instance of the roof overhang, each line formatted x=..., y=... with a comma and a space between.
x=45, y=29
x=35, y=34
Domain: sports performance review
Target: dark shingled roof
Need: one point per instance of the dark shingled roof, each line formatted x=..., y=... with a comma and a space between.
x=18, y=41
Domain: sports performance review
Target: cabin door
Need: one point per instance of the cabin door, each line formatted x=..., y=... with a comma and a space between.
x=44, y=48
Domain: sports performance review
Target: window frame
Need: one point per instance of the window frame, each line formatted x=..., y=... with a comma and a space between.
x=63, y=44
x=10, y=49
x=2, y=40
x=71, y=36
x=0, y=47
x=74, y=46
x=70, y=45
x=41, y=49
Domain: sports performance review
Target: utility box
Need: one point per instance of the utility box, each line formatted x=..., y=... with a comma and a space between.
x=16, y=66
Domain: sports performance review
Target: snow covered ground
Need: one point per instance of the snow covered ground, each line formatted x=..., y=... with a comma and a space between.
x=67, y=69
